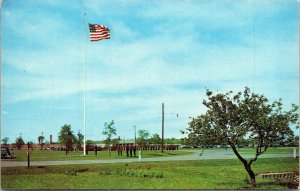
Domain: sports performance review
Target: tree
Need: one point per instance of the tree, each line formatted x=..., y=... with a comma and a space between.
x=109, y=131
x=79, y=140
x=231, y=118
x=66, y=136
x=19, y=142
x=172, y=140
x=5, y=140
x=90, y=142
x=142, y=136
x=155, y=139
x=41, y=140
x=30, y=144
x=291, y=141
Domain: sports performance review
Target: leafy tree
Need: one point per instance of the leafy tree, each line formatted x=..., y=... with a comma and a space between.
x=66, y=136
x=172, y=141
x=142, y=136
x=5, y=140
x=296, y=141
x=115, y=141
x=230, y=118
x=155, y=139
x=80, y=137
x=19, y=142
x=79, y=140
x=109, y=131
x=90, y=142
x=30, y=144
x=292, y=141
x=41, y=140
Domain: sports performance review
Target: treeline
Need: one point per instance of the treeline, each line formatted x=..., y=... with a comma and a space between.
x=205, y=142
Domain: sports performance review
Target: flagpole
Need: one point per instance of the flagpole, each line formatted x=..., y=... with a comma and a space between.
x=84, y=93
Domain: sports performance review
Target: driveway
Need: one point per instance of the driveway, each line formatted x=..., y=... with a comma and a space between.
x=196, y=155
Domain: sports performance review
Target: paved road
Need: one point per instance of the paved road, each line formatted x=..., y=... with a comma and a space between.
x=197, y=155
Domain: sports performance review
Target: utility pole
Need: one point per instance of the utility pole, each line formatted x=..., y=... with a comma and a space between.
x=162, y=127
x=134, y=135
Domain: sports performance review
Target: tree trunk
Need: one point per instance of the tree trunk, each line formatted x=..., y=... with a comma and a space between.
x=246, y=165
x=251, y=174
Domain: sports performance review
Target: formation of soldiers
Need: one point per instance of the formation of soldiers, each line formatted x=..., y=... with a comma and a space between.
x=129, y=149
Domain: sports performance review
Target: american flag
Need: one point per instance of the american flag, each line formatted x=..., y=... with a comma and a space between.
x=98, y=32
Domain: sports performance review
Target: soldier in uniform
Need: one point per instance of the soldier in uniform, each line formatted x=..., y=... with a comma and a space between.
x=127, y=150
x=118, y=149
x=134, y=150
x=121, y=149
x=131, y=148
x=95, y=150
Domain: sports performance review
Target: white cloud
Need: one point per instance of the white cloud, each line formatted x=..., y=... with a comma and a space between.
x=148, y=63
x=164, y=59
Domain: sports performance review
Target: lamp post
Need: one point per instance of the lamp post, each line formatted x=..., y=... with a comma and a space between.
x=162, y=126
x=134, y=135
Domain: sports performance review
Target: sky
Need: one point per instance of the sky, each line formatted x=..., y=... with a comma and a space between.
x=167, y=51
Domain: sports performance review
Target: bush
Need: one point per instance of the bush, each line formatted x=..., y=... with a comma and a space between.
x=132, y=172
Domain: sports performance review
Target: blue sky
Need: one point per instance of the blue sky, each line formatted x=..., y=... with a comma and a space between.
x=159, y=52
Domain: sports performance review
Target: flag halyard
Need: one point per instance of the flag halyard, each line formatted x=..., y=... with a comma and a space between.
x=98, y=32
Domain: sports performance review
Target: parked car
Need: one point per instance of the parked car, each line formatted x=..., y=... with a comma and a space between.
x=5, y=152
x=185, y=146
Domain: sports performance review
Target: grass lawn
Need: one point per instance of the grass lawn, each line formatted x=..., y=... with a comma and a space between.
x=279, y=150
x=271, y=150
x=202, y=174
x=74, y=155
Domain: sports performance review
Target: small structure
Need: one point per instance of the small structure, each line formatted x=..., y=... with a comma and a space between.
x=284, y=176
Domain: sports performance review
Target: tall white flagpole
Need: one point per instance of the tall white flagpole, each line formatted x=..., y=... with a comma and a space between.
x=84, y=93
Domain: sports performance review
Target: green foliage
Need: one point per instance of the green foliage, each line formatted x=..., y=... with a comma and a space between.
x=109, y=131
x=41, y=139
x=70, y=173
x=66, y=135
x=80, y=137
x=172, y=141
x=29, y=144
x=133, y=173
x=5, y=140
x=230, y=118
x=292, y=141
x=79, y=140
x=90, y=142
x=155, y=139
x=19, y=142
x=143, y=136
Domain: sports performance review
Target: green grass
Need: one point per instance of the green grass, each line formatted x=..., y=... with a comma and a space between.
x=202, y=174
x=279, y=150
x=74, y=155
x=272, y=150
